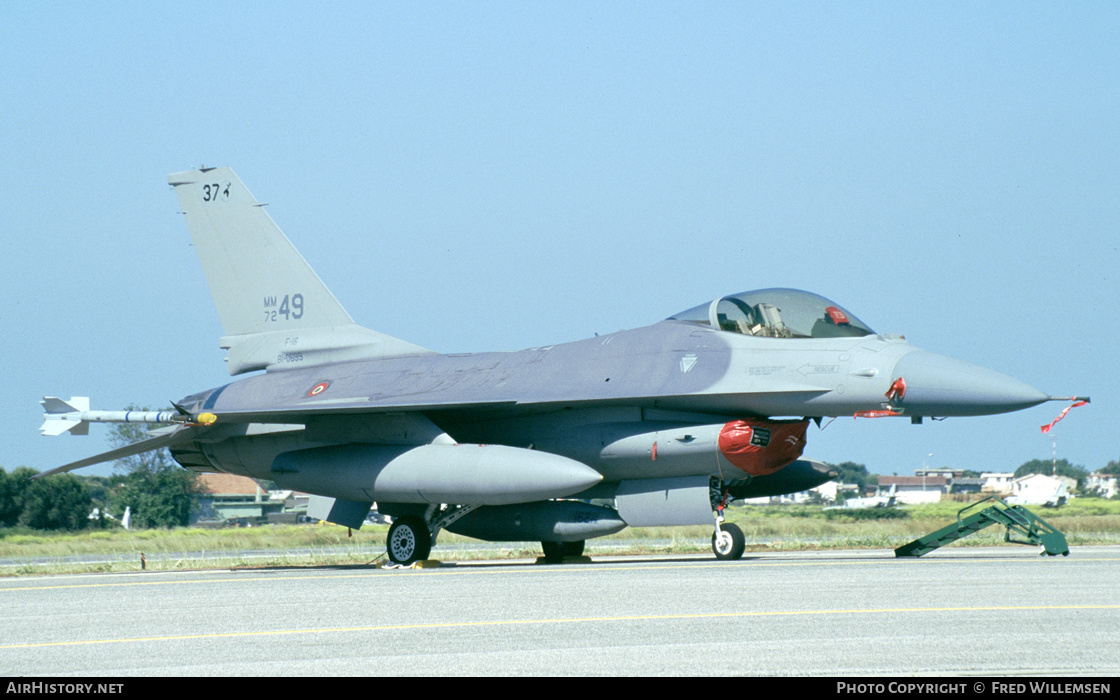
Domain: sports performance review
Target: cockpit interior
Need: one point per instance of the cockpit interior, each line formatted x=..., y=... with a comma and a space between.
x=776, y=313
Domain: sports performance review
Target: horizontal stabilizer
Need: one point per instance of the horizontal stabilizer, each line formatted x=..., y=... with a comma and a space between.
x=153, y=443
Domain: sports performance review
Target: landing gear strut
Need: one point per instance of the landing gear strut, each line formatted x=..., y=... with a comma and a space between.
x=412, y=536
x=728, y=542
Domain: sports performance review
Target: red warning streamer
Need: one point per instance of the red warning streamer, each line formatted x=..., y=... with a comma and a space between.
x=875, y=414
x=1075, y=404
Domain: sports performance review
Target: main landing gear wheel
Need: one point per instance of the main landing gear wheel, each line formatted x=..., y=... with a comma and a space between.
x=409, y=540
x=728, y=542
x=556, y=551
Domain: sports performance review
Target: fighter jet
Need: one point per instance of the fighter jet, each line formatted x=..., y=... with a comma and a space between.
x=661, y=425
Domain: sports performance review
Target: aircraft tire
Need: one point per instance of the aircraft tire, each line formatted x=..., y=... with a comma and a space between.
x=731, y=546
x=409, y=540
x=574, y=549
x=554, y=552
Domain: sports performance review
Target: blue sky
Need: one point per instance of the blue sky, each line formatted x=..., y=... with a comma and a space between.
x=494, y=176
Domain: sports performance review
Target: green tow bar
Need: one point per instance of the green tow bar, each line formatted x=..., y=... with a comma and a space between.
x=1017, y=519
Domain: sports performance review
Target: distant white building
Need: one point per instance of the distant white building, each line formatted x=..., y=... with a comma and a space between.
x=949, y=474
x=997, y=482
x=912, y=490
x=827, y=490
x=830, y=490
x=1040, y=489
x=1107, y=485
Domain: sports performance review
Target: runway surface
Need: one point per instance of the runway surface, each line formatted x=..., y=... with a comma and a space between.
x=998, y=610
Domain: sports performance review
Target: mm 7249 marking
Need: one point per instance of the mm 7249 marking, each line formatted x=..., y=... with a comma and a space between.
x=291, y=308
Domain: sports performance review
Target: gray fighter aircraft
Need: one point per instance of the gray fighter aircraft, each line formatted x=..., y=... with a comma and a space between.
x=660, y=425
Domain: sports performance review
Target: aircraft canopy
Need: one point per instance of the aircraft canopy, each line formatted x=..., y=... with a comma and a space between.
x=777, y=313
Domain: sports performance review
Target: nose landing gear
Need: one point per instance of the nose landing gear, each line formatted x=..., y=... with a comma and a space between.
x=728, y=542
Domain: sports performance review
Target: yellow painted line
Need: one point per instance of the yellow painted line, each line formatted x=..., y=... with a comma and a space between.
x=551, y=621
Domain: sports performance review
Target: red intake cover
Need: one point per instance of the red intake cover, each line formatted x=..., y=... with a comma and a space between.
x=760, y=447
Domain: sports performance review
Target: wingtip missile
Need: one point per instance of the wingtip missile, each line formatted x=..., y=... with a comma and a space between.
x=64, y=416
x=74, y=416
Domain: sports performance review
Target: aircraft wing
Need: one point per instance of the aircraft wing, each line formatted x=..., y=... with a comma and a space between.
x=716, y=404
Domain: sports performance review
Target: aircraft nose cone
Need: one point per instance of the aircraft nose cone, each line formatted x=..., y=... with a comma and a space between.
x=937, y=385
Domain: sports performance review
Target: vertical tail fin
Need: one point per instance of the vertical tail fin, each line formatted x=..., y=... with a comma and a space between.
x=275, y=311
